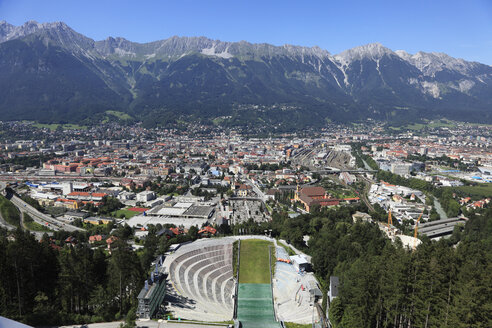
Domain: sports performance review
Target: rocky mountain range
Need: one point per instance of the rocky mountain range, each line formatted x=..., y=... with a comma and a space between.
x=49, y=72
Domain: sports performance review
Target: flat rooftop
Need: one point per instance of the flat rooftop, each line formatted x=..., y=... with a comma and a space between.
x=140, y=220
x=203, y=211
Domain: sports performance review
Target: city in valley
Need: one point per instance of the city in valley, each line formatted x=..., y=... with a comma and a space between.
x=245, y=164
x=192, y=221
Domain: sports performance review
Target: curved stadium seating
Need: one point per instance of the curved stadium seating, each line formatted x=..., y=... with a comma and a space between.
x=205, y=276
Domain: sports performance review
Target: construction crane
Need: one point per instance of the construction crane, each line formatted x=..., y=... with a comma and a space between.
x=416, y=231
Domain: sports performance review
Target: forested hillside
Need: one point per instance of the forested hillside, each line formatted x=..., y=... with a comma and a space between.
x=441, y=284
x=55, y=283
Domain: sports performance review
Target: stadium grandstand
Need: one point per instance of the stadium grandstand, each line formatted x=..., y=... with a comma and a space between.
x=201, y=285
x=202, y=282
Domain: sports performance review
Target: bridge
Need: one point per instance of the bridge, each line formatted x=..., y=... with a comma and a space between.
x=440, y=228
x=335, y=170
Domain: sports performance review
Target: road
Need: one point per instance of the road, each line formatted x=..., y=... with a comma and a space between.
x=257, y=190
x=42, y=218
x=4, y=224
x=37, y=234
x=37, y=216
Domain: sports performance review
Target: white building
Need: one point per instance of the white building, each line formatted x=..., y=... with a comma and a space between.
x=145, y=196
x=300, y=263
x=401, y=168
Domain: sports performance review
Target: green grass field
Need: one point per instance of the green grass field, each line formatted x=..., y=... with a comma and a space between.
x=9, y=212
x=254, y=262
x=128, y=214
x=427, y=124
x=34, y=226
x=297, y=325
x=120, y=115
x=54, y=126
x=482, y=190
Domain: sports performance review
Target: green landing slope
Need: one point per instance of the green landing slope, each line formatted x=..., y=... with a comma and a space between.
x=255, y=299
x=254, y=267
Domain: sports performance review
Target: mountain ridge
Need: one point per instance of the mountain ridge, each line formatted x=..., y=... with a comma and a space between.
x=207, y=78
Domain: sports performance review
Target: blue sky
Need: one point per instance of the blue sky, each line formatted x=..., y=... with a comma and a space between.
x=459, y=28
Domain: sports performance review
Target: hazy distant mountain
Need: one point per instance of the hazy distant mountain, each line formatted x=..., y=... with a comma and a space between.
x=50, y=72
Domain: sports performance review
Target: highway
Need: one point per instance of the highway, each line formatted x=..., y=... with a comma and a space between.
x=42, y=218
x=37, y=234
x=440, y=227
x=37, y=216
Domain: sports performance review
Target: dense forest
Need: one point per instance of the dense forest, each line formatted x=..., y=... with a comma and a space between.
x=437, y=285
x=44, y=285
x=441, y=284
x=52, y=283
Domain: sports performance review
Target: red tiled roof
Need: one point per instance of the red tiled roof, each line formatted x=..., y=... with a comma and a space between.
x=313, y=191
x=208, y=229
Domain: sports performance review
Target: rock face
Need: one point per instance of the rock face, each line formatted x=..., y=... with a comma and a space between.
x=50, y=72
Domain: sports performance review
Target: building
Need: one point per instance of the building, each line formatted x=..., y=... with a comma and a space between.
x=98, y=220
x=362, y=217
x=310, y=196
x=110, y=242
x=333, y=292
x=243, y=190
x=300, y=263
x=207, y=231
x=485, y=170
x=68, y=203
x=95, y=238
x=347, y=178
x=401, y=168
x=86, y=196
x=152, y=294
x=145, y=196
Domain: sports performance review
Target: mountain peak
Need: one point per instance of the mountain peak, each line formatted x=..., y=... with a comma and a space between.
x=430, y=63
x=9, y=32
x=5, y=29
x=372, y=51
x=182, y=75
